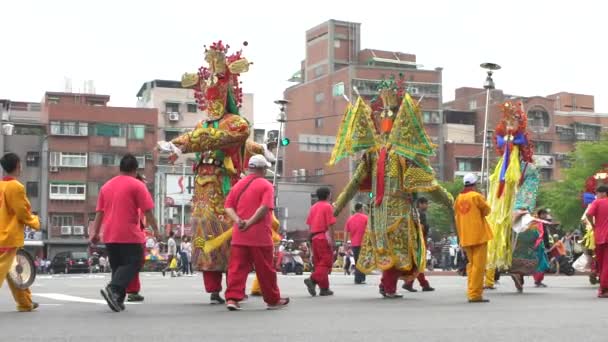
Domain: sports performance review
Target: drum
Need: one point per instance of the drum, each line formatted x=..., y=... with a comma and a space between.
x=23, y=271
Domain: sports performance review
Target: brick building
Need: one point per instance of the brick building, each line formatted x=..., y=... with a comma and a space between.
x=555, y=123
x=86, y=139
x=333, y=66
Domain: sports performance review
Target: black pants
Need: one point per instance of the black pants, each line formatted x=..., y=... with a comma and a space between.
x=125, y=261
x=359, y=276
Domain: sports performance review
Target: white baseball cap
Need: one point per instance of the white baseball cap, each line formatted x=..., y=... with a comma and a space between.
x=469, y=179
x=258, y=162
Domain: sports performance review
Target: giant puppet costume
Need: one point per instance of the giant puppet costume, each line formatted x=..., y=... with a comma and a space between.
x=222, y=147
x=512, y=144
x=394, y=166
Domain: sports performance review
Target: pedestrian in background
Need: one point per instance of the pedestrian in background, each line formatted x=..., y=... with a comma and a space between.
x=321, y=221
x=249, y=204
x=474, y=233
x=171, y=254
x=186, y=250
x=119, y=204
x=15, y=215
x=355, y=230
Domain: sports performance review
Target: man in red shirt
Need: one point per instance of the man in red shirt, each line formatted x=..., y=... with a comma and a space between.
x=321, y=221
x=249, y=204
x=355, y=229
x=597, y=214
x=119, y=204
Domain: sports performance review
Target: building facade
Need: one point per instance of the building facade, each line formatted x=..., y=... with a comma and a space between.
x=86, y=139
x=336, y=67
x=28, y=141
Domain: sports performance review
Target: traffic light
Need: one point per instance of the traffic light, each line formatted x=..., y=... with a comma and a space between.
x=284, y=142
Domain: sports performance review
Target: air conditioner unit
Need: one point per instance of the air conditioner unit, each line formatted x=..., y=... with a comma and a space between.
x=78, y=230
x=560, y=156
x=413, y=90
x=173, y=116
x=54, y=169
x=581, y=136
x=66, y=230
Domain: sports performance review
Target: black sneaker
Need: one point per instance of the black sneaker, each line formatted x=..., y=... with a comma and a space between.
x=409, y=288
x=381, y=290
x=108, y=295
x=135, y=297
x=428, y=289
x=216, y=298
x=326, y=292
x=311, y=286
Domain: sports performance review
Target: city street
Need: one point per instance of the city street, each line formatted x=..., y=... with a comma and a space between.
x=176, y=309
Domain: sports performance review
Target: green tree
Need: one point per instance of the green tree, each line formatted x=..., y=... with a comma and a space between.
x=563, y=197
x=439, y=218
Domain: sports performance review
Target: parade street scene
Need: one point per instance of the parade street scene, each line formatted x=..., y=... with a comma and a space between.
x=335, y=171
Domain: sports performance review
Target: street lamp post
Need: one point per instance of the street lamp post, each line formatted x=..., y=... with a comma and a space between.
x=485, y=160
x=281, y=119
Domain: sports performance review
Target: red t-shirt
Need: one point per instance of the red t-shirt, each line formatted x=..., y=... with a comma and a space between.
x=320, y=217
x=599, y=210
x=260, y=192
x=356, y=226
x=121, y=200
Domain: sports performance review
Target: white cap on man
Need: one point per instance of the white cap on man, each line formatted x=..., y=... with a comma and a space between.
x=258, y=162
x=469, y=179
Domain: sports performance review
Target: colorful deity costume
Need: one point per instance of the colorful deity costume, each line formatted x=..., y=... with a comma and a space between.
x=512, y=143
x=395, y=167
x=222, y=147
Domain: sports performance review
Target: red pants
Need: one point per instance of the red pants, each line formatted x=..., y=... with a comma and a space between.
x=539, y=277
x=389, y=280
x=242, y=258
x=212, y=281
x=421, y=279
x=322, y=258
x=601, y=254
x=135, y=285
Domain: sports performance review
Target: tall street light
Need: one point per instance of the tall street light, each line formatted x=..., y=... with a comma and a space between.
x=485, y=160
x=281, y=119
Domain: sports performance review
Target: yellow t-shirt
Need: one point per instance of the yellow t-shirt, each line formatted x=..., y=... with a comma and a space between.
x=15, y=213
x=470, y=211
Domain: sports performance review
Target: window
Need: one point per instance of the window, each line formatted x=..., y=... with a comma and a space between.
x=32, y=159
x=65, y=191
x=192, y=108
x=141, y=162
x=318, y=122
x=137, y=132
x=31, y=189
x=62, y=220
x=319, y=97
x=319, y=172
x=336, y=43
x=545, y=174
x=69, y=128
x=170, y=135
x=338, y=89
x=429, y=117
x=110, y=130
x=465, y=165
x=28, y=130
x=587, y=132
x=171, y=107
x=472, y=104
x=564, y=133
x=542, y=147
x=108, y=159
x=93, y=189
x=73, y=159
x=538, y=119
x=319, y=71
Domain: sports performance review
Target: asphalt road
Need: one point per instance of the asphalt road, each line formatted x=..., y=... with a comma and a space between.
x=176, y=309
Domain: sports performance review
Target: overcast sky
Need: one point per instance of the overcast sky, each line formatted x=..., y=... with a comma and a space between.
x=543, y=46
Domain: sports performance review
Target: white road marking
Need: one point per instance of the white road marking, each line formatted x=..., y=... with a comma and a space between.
x=68, y=298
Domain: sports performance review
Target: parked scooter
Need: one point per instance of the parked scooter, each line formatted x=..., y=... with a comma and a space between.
x=292, y=262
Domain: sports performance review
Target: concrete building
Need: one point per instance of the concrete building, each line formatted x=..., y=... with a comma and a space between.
x=28, y=141
x=334, y=65
x=177, y=113
x=555, y=123
x=86, y=139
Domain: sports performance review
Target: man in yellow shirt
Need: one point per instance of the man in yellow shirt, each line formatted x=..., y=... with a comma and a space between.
x=15, y=214
x=474, y=233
